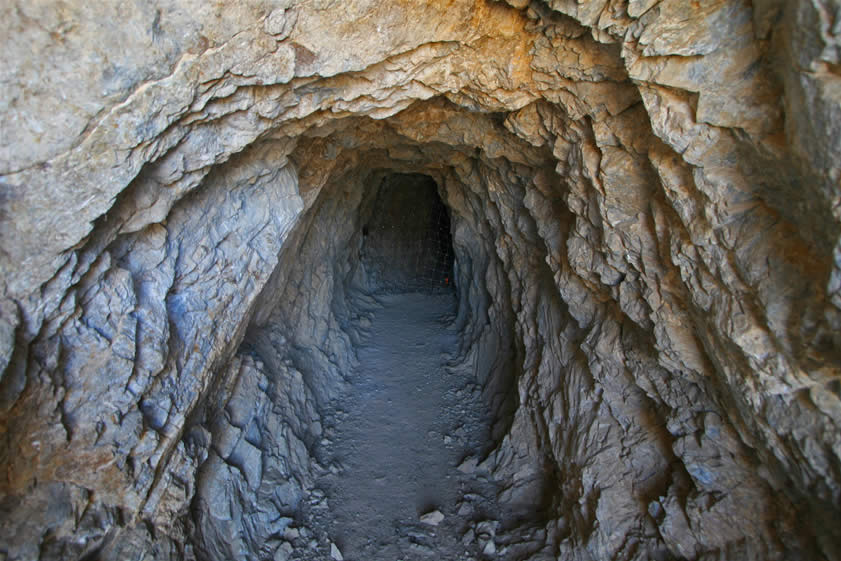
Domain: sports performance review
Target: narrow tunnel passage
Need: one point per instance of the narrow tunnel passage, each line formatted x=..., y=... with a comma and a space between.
x=391, y=411
x=404, y=440
x=200, y=263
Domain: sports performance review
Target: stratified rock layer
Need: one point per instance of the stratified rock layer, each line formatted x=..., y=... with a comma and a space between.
x=645, y=214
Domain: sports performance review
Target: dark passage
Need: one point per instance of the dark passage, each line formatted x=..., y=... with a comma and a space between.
x=407, y=244
x=368, y=319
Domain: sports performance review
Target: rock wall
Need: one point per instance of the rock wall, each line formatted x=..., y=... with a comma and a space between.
x=645, y=214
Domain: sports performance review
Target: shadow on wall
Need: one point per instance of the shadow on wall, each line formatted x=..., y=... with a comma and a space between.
x=407, y=245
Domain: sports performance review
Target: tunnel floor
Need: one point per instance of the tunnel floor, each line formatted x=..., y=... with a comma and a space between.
x=403, y=443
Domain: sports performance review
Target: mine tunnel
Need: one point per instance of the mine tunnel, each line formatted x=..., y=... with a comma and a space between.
x=359, y=345
x=471, y=280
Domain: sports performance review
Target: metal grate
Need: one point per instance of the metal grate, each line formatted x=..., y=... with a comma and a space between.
x=407, y=244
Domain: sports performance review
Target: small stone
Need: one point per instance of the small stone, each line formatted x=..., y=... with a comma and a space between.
x=468, y=466
x=490, y=548
x=280, y=23
x=284, y=552
x=335, y=554
x=487, y=527
x=432, y=518
x=421, y=548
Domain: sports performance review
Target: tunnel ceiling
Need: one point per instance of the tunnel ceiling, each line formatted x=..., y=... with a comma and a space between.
x=645, y=216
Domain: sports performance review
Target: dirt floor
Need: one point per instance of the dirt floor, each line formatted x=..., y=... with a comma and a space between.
x=402, y=445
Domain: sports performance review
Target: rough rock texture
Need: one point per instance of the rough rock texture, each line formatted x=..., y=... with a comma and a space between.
x=645, y=209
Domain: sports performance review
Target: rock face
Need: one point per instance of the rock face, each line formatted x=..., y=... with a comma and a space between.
x=645, y=214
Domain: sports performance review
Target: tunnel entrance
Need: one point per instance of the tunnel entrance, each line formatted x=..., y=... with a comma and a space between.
x=392, y=416
x=407, y=245
x=396, y=468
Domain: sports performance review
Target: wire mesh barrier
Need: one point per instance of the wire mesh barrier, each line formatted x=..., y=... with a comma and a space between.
x=407, y=244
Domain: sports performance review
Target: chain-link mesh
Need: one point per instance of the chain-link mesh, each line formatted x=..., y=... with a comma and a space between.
x=407, y=243
x=434, y=255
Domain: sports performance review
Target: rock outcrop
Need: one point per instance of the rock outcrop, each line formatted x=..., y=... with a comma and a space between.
x=645, y=208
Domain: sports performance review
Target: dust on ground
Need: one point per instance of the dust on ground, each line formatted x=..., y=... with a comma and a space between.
x=401, y=447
